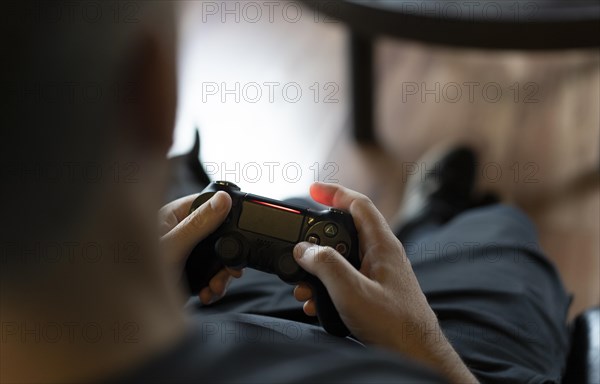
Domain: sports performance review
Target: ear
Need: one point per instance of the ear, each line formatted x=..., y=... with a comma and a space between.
x=154, y=99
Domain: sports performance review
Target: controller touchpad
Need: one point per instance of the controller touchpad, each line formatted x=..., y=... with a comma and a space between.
x=271, y=220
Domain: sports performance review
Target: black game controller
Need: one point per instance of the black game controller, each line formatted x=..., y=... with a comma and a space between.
x=261, y=233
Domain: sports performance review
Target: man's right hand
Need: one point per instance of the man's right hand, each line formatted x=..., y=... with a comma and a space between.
x=382, y=303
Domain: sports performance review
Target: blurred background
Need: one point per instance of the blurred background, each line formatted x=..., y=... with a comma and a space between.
x=269, y=86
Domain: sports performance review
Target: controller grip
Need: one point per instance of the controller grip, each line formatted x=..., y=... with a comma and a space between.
x=201, y=266
x=328, y=315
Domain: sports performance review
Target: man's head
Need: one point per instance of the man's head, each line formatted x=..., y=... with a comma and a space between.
x=84, y=83
x=88, y=96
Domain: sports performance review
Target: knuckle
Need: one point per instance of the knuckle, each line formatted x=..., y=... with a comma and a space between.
x=364, y=200
x=363, y=204
x=216, y=285
x=198, y=220
x=166, y=222
x=326, y=255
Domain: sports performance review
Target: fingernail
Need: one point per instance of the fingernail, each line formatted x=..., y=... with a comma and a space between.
x=299, y=249
x=217, y=202
x=213, y=298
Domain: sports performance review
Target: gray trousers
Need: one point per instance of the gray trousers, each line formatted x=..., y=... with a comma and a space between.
x=499, y=301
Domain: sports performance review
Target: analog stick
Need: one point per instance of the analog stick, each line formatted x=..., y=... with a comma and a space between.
x=231, y=251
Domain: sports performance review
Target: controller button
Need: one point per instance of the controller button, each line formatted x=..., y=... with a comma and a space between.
x=229, y=249
x=330, y=230
x=228, y=184
x=287, y=265
x=342, y=248
x=313, y=239
x=339, y=212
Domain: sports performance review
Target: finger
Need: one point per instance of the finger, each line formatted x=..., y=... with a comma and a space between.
x=237, y=273
x=180, y=241
x=374, y=234
x=370, y=223
x=205, y=295
x=302, y=292
x=219, y=282
x=335, y=272
x=171, y=214
x=310, y=308
x=179, y=208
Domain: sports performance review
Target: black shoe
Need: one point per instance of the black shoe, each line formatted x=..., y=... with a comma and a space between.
x=441, y=191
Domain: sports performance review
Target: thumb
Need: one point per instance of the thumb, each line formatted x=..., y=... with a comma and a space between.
x=179, y=242
x=334, y=271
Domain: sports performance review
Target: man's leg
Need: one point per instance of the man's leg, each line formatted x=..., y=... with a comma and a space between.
x=257, y=293
x=499, y=300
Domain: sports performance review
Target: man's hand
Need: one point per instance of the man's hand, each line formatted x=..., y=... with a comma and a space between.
x=382, y=303
x=181, y=232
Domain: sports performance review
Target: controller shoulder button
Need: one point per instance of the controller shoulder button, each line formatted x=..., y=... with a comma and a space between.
x=228, y=184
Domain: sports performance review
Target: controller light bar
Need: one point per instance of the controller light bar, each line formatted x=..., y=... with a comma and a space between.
x=276, y=206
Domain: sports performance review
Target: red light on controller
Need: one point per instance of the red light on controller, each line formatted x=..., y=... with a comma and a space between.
x=276, y=206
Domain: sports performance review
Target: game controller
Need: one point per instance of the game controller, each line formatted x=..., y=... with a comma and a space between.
x=261, y=233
